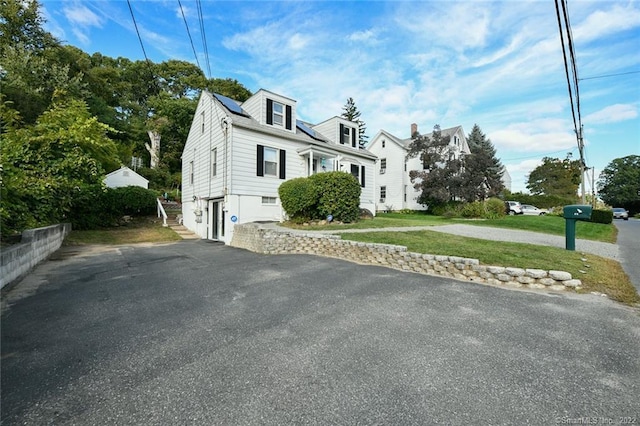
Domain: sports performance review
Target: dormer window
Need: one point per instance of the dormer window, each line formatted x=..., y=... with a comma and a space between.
x=279, y=114
x=347, y=135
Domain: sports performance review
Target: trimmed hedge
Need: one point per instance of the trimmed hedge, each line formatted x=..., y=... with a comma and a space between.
x=602, y=216
x=320, y=195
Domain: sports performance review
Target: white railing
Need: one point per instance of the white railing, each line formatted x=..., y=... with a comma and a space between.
x=161, y=212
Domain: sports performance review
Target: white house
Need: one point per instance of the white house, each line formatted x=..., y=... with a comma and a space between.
x=394, y=190
x=124, y=176
x=237, y=155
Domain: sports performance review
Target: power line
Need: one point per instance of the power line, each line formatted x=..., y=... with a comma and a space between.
x=189, y=33
x=609, y=75
x=204, y=37
x=144, y=52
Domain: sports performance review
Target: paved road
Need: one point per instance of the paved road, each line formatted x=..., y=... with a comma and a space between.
x=629, y=244
x=199, y=333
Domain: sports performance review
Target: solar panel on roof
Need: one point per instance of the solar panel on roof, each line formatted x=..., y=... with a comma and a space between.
x=306, y=129
x=230, y=104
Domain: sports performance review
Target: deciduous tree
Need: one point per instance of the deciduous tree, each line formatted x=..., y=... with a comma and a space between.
x=619, y=183
x=555, y=177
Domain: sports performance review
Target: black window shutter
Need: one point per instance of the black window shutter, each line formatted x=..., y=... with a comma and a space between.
x=288, y=118
x=341, y=133
x=283, y=165
x=354, y=143
x=260, y=163
x=362, y=176
x=269, y=111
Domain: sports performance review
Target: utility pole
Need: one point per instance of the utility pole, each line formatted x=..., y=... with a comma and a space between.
x=582, y=164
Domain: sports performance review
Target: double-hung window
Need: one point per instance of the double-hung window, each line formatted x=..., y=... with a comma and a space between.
x=278, y=113
x=383, y=194
x=345, y=137
x=271, y=162
x=383, y=166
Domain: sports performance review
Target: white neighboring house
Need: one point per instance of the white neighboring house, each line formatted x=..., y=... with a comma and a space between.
x=237, y=155
x=124, y=176
x=394, y=190
x=506, y=179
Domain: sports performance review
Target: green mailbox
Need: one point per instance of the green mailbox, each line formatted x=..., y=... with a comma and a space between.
x=577, y=211
x=572, y=214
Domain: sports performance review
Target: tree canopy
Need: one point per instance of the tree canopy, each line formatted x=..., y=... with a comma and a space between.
x=619, y=183
x=69, y=117
x=555, y=177
x=441, y=179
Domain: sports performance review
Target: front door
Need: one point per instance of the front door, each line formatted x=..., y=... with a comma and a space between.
x=214, y=220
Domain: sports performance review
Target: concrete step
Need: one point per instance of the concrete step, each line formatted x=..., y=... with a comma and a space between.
x=182, y=231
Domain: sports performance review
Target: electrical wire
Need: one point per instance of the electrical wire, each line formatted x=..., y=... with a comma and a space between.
x=204, y=37
x=189, y=33
x=608, y=75
x=144, y=52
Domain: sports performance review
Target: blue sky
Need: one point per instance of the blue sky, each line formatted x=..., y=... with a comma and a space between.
x=497, y=64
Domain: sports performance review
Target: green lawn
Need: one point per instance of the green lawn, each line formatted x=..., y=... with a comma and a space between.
x=545, y=224
x=550, y=225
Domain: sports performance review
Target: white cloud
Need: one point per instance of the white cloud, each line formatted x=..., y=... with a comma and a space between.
x=612, y=114
x=602, y=23
x=543, y=135
x=362, y=36
x=83, y=16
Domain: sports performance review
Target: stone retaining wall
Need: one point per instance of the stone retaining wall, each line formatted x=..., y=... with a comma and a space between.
x=253, y=237
x=36, y=245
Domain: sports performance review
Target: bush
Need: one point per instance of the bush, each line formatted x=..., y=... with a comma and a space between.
x=321, y=195
x=602, y=216
x=339, y=196
x=299, y=199
x=472, y=210
x=94, y=206
x=494, y=208
x=134, y=200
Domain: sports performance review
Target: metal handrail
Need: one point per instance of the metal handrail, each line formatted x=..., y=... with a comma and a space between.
x=162, y=213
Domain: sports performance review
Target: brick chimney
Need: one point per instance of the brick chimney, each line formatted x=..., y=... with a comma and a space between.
x=414, y=129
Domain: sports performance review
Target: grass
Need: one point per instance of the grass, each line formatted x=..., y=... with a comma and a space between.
x=140, y=230
x=550, y=225
x=545, y=224
x=600, y=274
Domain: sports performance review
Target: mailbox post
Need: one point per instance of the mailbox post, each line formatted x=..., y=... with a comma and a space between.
x=572, y=214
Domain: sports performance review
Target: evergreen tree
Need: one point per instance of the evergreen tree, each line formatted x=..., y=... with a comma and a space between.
x=351, y=113
x=482, y=170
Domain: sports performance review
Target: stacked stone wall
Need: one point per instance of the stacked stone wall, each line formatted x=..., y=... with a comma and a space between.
x=253, y=237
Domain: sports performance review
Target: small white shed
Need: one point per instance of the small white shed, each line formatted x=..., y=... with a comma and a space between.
x=124, y=176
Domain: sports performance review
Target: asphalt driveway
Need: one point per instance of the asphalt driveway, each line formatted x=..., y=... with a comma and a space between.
x=200, y=333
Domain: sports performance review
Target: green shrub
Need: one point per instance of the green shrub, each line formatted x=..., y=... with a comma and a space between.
x=494, y=208
x=339, y=196
x=449, y=209
x=472, y=210
x=299, y=199
x=602, y=216
x=134, y=200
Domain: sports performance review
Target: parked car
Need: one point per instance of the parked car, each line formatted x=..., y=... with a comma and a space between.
x=528, y=209
x=620, y=213
x=513, y=207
